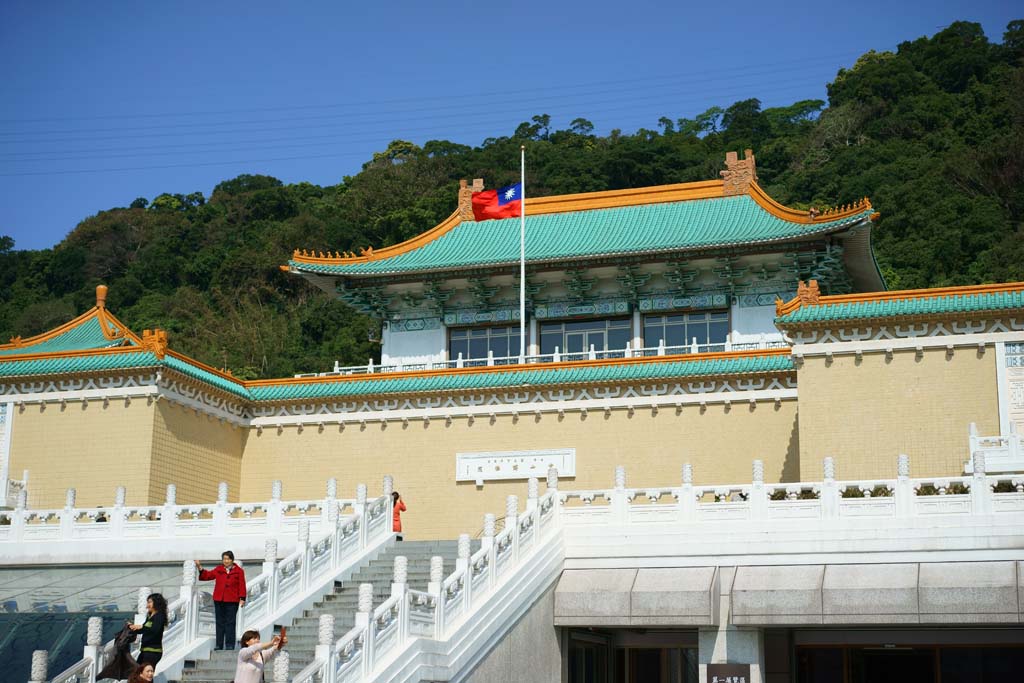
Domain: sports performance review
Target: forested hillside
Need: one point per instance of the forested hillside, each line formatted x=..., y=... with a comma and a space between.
x=933, y=133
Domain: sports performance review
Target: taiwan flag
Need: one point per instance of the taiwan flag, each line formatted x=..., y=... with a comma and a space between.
x=504, y=203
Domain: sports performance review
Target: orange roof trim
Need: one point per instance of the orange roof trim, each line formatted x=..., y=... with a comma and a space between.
x=964, y=290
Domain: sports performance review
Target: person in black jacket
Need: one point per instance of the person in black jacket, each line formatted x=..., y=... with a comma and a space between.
x=152, y=629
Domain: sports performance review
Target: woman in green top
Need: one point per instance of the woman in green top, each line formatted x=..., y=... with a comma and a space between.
x=151, y=647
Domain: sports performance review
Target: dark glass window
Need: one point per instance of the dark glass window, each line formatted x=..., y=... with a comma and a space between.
x=681, y=329
x=577, y=336
x=474, y=342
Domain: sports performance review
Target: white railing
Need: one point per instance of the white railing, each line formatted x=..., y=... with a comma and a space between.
x=385, y=636
x=164, y=531
x=279, y=594
x=760, y=502
x=557, y=357
x=1001, y=453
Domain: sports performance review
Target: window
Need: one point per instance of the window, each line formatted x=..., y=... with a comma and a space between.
x=475, y=342
x=579, y=335
x=680, y=329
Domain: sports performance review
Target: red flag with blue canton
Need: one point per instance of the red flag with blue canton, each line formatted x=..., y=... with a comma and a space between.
x=504, y=203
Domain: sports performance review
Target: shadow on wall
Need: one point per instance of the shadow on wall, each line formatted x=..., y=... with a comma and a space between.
x=791, y=465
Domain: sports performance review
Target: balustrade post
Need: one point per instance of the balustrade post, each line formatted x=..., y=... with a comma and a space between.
x=904, y=493
x=620, y=506
x=281, y=664
x=687, y=496
x=829, y=494
x=140, y=605
x=436, y=588
x=364, y=617
x=117, y=514
x=40, y=667
x=399, y=581
x=18, y=518
x=487, y=542
x=67, y=515
x=275, y=510
x=552, y=485
x=387, y=488
x=169, y=515
x=220, y=511
x=512, y=522
x=532, y=491
x=190, y=593
x=325, y=648
x=981, y=490
x=360, y=511
x=330, y=505
x=93, y=647
x=758, y=495
x=270, y=569
x=307, y=555
x=462, y=562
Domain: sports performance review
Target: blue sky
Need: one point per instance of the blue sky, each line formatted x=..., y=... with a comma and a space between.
x=103, y=102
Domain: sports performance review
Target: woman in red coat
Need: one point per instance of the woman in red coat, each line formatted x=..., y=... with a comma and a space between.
x=397, y=508
x=228, y=596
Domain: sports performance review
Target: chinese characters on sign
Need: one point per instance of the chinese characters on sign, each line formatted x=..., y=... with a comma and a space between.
x=728, y=673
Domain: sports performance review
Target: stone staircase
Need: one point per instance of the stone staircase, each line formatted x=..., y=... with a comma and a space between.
x=342, y=603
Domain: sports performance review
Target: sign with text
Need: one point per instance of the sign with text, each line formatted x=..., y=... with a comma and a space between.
x=728, y=673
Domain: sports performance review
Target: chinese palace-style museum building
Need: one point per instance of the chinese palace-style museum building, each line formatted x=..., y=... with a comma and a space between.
x=702, y=324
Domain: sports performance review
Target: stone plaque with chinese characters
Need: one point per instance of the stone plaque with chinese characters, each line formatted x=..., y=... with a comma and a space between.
x=728, y=673
x=500, y=465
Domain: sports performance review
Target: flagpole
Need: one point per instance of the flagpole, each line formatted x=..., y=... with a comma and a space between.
x=522, y=254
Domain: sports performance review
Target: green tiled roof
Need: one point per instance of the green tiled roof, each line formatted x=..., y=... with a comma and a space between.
x=86, y=335
x=385, y=384
x=539, y=377
x=863, y=310
x=700, y=223
x=55, y=365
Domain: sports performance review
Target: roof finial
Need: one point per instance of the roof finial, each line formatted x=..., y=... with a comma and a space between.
x=466, y=197
x=101, y=296
x=739, y=174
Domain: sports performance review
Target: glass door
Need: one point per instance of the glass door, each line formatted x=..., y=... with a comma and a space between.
x=588, y=657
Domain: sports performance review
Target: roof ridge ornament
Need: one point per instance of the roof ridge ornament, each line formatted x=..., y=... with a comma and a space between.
x=155, y=341
x=101, y=296
x=739, y=174
x=808, y=294
x=466, y=197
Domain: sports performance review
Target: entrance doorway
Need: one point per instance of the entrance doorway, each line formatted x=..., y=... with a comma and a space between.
x=632, y=656
x=914, y=664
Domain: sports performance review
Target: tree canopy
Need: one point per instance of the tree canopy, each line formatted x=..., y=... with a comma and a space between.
x=933, y=133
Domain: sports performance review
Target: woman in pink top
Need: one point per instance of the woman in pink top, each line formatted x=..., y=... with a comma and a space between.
x=254, y=655
x=398, y=507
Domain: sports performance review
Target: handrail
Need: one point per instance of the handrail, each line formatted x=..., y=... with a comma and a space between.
x=763, y=342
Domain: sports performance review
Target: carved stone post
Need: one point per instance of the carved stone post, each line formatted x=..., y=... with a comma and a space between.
x=117, y=514
x=487, y=541
x=140, y=605
x=512, y=523
x=687, y=496
x=169, y=516
x=271, y=570
x=399, y=581
x=619, y=503
x=190, y=593
x=94, y=646
x=360, y=510
x=363, y=618
x=275, y=510
x=220, y=511
x=329, y=509
x=829, y=493
x=465, y=549
x=387, y=489
x=40, y=667
x=18, y=518
x=281, y=663
x=67, y=515
x=532, y=491
x=981, y=490
x=307, y=554
x=904, y=493
x=325, y=647
x=436, y=575
x=758, y=495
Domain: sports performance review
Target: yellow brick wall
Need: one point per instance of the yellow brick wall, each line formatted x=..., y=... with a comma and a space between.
x=84, y=446
x=195, y=452
x=720, y=442
x=865, y=413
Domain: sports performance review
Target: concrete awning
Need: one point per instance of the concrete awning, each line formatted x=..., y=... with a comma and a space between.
x=636, y=597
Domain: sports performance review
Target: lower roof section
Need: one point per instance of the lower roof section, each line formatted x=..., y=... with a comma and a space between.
x=984, y=592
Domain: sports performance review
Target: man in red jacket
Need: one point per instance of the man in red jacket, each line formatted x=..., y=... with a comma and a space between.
x=228, y=596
